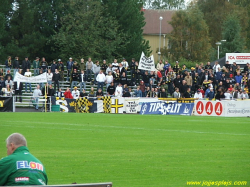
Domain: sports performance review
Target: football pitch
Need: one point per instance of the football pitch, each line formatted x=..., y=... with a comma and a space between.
x=135, y=150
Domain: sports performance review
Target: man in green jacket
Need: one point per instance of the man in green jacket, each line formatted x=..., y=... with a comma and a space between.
x=20, y=167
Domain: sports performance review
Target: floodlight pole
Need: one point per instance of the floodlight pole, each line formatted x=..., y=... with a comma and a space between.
x=159, y=52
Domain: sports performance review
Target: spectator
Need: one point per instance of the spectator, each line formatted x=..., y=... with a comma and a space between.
x=99, y=93
x=92, y=92
x=151, y=93
x=56, y=79
x=36, y=94
x=44, y=65
x=74, y=78
x=69, y=67
x=125, y=65
x=61, y=69
x=82, y=79
x=198, y=95
x=123, y=79
x=100, y=80
x=109, y=69
x=177, y=94
x=220, y=95
x=210, y=95
x=68, y=94
x=138, y=92
x=189, y=80
x=28, y=74
x=8, y=75
x=16, y=65
x=177, y=81
x=244, y=95
x=109, y=79
x=75, y=66
x=132, y=70
x=83, y=93
x=188, y=93
x=111, y=89
x=25, y=65
x=89, y=69
x=104, y=66
x=115, y=65
x=122, y=69
x=18, y=87
x=142, y=88
x=116, y=76
x=163, y=94
x=216, y=67
x=9, y=82
x=160, y=67
x=53, y=67
x=96, y=70
x=166, y=68
x=36, y=66
x=227, y=94
x=238, y=78
x=75, y=93
x=82, y=65
x=119, y=90
x=49, y=77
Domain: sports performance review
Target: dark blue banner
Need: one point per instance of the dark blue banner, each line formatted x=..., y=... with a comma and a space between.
x=162, y=108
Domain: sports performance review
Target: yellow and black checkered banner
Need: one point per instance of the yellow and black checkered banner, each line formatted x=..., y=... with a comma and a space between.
x=106, y=104
x=117, y=105
x=82, y=105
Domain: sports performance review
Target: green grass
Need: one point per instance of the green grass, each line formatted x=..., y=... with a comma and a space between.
x=134, y=150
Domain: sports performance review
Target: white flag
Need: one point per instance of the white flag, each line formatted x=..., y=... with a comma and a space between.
x=147, y=63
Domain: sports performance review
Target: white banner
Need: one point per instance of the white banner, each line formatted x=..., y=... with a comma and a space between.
x=146, y=63
x=226, y=108
x=35, y=79
x=239, y=58
x=131, y=105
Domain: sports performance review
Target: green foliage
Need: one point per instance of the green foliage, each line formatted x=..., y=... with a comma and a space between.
x=87, y=31
x=189, y=38
x=232, y=34
x=134, y=150
x=163, y=4
x=131, y=21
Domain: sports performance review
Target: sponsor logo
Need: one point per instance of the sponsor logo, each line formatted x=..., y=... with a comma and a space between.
x=27, y=165
x=144, y=108
x=21, y=179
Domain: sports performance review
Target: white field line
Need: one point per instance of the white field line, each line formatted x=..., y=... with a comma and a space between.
x=102, y=126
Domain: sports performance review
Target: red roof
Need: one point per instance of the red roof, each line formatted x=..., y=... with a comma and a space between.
x=152, y=20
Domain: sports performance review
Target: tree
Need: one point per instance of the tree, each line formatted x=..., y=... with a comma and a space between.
x=216, y=12
x=163, y=4
x=189, y=38
x=88, y=30
x=231, y=32
x=130, y=19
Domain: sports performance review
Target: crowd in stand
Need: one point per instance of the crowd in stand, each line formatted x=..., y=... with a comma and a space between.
x=202, y=81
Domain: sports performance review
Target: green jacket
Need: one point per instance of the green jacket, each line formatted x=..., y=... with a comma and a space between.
x=22, y=168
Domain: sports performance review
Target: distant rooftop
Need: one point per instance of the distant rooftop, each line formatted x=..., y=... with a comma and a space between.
x=152, y=26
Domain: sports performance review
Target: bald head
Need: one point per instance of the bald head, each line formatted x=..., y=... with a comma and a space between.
x=14, y=141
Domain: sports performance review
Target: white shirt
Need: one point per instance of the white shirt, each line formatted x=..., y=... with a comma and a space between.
x=75, y=94
x=37, y=93
x=49, y=76
x=82, y=77
x=100, y=77
x=116, y=65
x=227, y=95
x=124, y=64
x=198, y=95
x=216, y=67
x=109, y=79
x=27, y=74
x=118, y=91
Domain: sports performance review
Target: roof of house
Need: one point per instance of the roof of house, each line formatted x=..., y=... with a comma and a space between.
x=152, y=20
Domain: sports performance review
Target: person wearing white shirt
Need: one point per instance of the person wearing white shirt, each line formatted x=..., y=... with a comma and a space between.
x=49, y=77
x=244, y=95
x=119, y=90
x=198, y=95
x=100, y=80
x=228, y=95
x=37, y=92
x=124, y=64
x=216, y=66
x=109, y=79
x=109, y=69
x=82, y=78
x=115, y=65
x=75, y=93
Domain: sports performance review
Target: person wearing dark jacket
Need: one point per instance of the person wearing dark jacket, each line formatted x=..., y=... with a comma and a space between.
x=18, y=87
x=56, y=78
